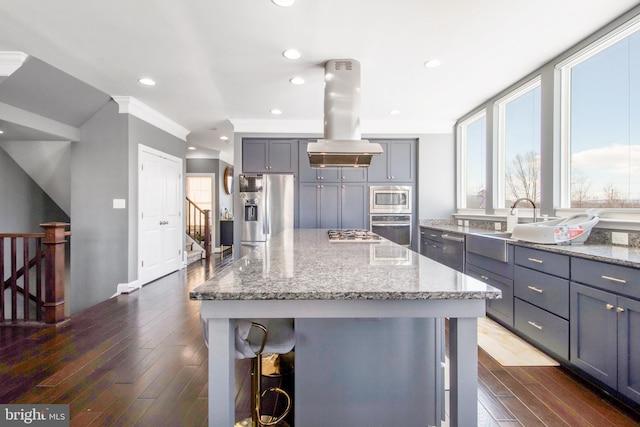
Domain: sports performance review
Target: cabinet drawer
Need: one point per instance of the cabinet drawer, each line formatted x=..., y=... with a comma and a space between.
x=501, y=309
x=431, y=234
x=545, y=291
x=610, y=277
x=504, y=269
x=550, y=331
x=547, y=262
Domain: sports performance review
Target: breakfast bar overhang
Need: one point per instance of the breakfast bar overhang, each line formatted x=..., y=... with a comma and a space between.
x=300, y=275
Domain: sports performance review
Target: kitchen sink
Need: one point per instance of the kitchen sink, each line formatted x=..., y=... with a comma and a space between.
x=491, y=245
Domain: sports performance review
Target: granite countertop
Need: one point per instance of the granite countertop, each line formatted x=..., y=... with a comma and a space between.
x=302, y=264
x=613, y=254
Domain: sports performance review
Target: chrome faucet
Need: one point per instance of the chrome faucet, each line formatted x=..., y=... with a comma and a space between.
x=524, y=199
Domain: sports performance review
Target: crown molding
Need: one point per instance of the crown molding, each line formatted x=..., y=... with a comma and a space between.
x=10, y=62
x=130, y=105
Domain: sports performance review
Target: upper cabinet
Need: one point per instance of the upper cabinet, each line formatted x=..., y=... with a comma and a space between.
x=397, y=164
x=269, y=155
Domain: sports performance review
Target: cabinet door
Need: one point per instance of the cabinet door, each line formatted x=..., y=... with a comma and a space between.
x=254, y=155
x=329, y=207
x=401, y=161
x=378, y=170
x=282, y=156
x=353, y=203
x=593, y=326
x=353, y=174
x=629, y=348
x=309, y=194
x=305, y=172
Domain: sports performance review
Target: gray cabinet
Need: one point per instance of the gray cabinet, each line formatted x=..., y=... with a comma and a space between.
x=605, y=324
x=269, y=155
x=541, y=305
x=498, y=274
x=332, y=205
x=396, y=164
x=431, y=243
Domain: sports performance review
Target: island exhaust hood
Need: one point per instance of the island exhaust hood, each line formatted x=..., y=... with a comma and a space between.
x=342, y=145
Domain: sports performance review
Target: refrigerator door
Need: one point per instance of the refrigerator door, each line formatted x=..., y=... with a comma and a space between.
x=269, y=211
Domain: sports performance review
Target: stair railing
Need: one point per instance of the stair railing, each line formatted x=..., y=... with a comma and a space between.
x=199, y=226
x=44, y=253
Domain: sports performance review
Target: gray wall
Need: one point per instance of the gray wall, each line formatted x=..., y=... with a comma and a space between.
x=104, y=166
x=24, y=204
x=99, y=174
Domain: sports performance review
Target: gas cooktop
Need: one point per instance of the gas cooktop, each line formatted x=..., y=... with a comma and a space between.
x=353, y=236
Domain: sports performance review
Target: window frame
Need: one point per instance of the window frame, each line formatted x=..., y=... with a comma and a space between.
x=563, y=73
x=461, y=159
x=499, y=178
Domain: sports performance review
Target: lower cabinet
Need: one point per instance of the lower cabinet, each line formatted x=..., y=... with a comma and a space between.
x=501, y=309
x=605, y=338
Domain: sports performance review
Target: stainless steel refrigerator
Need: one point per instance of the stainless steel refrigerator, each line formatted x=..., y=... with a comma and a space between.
x=267, y=204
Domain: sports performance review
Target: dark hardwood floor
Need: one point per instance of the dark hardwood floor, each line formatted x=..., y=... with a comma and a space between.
x=139, y=360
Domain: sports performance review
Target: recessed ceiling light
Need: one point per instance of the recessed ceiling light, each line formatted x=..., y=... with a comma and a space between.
x=283, y=3
x=224, y=138
x=291, y=54
x=191, y=147
x=147, y=81
x=433, y=63
x=1, y=131
x=296, y=80
x=276, y=112
x=394, y=112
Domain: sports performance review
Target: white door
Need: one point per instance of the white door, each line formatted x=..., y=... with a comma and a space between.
x=160, y=206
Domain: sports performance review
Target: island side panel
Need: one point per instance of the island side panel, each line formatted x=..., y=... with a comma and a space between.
x=463, y=375
x=221, y=372
x=369, y=371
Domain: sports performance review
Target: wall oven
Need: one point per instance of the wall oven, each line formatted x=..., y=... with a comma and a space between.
x=395, y=227
x=390, y=199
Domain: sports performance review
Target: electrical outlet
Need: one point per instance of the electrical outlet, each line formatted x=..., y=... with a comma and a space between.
x=460, y=222
x=497, y=226
x=620, y=238
x=466, y=222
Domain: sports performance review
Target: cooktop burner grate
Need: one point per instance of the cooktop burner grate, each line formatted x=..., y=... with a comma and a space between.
x=353, y=236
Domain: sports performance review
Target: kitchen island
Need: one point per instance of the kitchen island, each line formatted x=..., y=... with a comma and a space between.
x=300, y=274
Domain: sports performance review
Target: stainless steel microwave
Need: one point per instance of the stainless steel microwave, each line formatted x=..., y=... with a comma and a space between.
x=390, y=199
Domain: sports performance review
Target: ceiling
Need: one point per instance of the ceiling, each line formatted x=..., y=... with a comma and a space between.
x=219, y=66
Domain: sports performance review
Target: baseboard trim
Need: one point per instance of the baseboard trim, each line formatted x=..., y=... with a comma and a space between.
x=127, y=288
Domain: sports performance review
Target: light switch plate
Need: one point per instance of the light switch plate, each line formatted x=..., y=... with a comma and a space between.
x=118, y=203
x=618, y=238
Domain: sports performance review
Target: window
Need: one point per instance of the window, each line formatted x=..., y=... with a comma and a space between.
x=472, y=137
x=519, y=146
x=601, y=123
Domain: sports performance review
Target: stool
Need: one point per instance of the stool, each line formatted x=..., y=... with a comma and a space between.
x=255, y=338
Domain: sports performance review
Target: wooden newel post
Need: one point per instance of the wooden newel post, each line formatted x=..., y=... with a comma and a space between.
x=207, y=233
x=54, y=254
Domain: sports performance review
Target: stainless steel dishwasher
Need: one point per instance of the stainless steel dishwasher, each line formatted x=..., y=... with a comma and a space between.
x=453, y=250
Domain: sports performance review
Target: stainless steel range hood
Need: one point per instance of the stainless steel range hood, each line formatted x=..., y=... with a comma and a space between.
x=342, y=145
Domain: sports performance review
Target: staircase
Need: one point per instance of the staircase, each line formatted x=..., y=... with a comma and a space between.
x=198, y=232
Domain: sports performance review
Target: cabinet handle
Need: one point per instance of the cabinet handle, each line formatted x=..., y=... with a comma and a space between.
x=317, y=186
x=533, y=288
x=392, y=177
x=535, y=325
x=614, y=279
x=619, y=310
x=484, y=277
x=344, y=177
x=343, y=186
x=539, y=261
x=433, y=235
x=608, y=306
